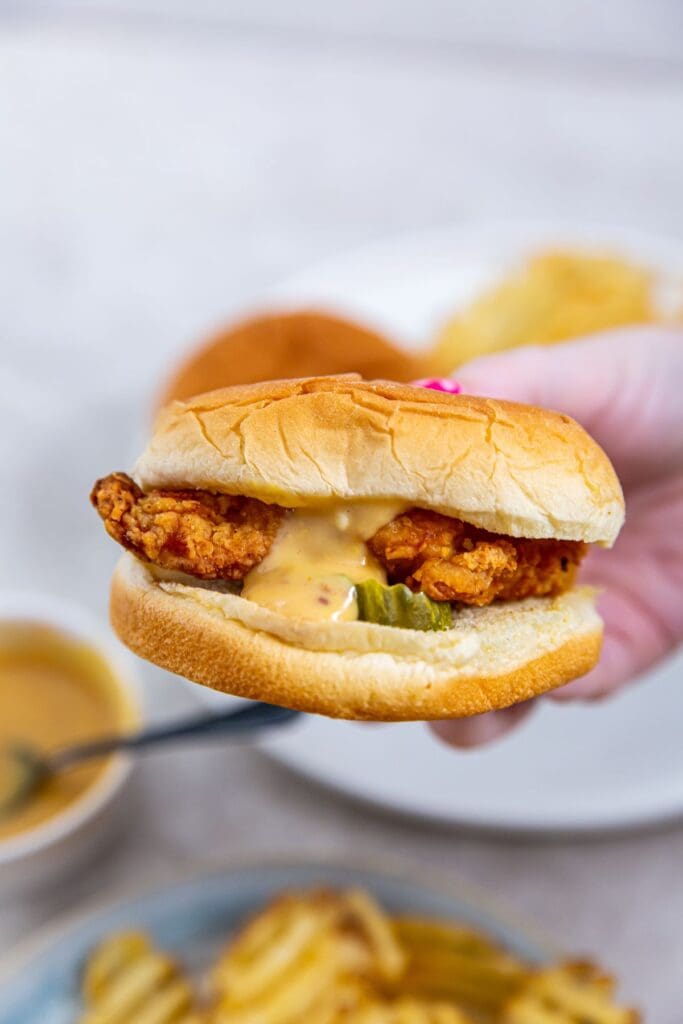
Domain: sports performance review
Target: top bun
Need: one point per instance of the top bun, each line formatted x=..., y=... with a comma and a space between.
x=507, y=468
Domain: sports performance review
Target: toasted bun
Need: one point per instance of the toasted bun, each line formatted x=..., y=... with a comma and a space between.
x=299, y=343
x=492, y=658
x=508, y=468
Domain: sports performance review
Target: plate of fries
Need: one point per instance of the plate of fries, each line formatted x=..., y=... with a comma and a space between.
x=448, y=295
x=457, y=292
x=316, y=943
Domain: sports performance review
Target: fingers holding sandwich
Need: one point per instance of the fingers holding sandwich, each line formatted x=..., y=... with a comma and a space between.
x=624, y=387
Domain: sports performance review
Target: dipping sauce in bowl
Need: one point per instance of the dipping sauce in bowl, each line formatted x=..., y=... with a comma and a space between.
x=55, y=689
x=63, y=679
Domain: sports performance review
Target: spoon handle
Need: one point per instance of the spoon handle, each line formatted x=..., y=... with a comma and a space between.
x=232, y=724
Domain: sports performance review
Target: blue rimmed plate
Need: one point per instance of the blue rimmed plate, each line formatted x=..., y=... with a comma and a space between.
x=193, y=918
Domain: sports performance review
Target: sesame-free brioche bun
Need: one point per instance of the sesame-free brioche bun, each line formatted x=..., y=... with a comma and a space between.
x=492, y=657
x=507, y=468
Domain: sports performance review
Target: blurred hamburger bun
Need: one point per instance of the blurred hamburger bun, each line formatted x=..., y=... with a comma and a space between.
x=299, y=343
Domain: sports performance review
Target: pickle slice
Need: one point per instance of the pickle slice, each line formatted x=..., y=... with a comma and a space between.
x=399, y=606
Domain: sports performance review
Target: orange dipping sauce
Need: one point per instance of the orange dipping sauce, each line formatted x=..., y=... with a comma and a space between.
x=54, y=690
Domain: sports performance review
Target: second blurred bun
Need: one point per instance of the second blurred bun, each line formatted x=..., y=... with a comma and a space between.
x=273, y=346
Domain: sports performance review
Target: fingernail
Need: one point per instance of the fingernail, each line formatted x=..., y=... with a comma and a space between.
x=446, y=384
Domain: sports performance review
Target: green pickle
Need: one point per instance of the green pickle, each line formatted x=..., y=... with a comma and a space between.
x=399, y=606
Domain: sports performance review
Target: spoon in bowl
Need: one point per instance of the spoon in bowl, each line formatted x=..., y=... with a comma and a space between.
x=23, y=768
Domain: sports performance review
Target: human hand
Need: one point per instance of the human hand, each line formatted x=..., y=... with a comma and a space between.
x=626, y=388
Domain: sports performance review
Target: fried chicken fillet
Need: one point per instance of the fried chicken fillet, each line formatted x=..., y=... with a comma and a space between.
x=221, y=536
x=452, y=561
x=211, y=536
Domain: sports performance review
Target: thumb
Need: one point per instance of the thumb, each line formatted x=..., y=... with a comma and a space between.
x=623, y=386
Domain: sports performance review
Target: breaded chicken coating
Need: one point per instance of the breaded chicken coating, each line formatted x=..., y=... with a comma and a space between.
x=211, y=536
x=452, y=561
x=223, y=537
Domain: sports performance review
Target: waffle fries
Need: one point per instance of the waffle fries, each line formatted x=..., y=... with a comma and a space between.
x=573, y=993
x=310, y=956
x=453, y=963
x=335, y=957
x=404, y=1011
x=555, y=296
x=127, y=980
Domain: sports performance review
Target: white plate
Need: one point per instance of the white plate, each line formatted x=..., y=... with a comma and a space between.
x=580, y=768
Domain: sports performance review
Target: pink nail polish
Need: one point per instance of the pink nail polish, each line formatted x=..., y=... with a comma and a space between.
x=446, y=384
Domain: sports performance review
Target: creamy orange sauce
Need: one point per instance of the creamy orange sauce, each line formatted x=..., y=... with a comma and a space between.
x=54, y=690
x=315, y=560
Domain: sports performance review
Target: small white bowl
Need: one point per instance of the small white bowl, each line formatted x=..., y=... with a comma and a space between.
x=48, y=852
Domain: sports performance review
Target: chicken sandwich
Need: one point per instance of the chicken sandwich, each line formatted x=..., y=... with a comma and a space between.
x=362, y=550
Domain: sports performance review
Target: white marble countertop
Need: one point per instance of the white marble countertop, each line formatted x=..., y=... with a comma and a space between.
x=158, y=174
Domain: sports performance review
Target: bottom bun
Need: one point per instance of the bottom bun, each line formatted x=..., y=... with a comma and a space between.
x=492, y=657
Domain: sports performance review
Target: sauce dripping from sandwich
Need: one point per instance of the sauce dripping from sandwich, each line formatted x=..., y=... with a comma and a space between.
x=316, y=559
x=306, y=563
